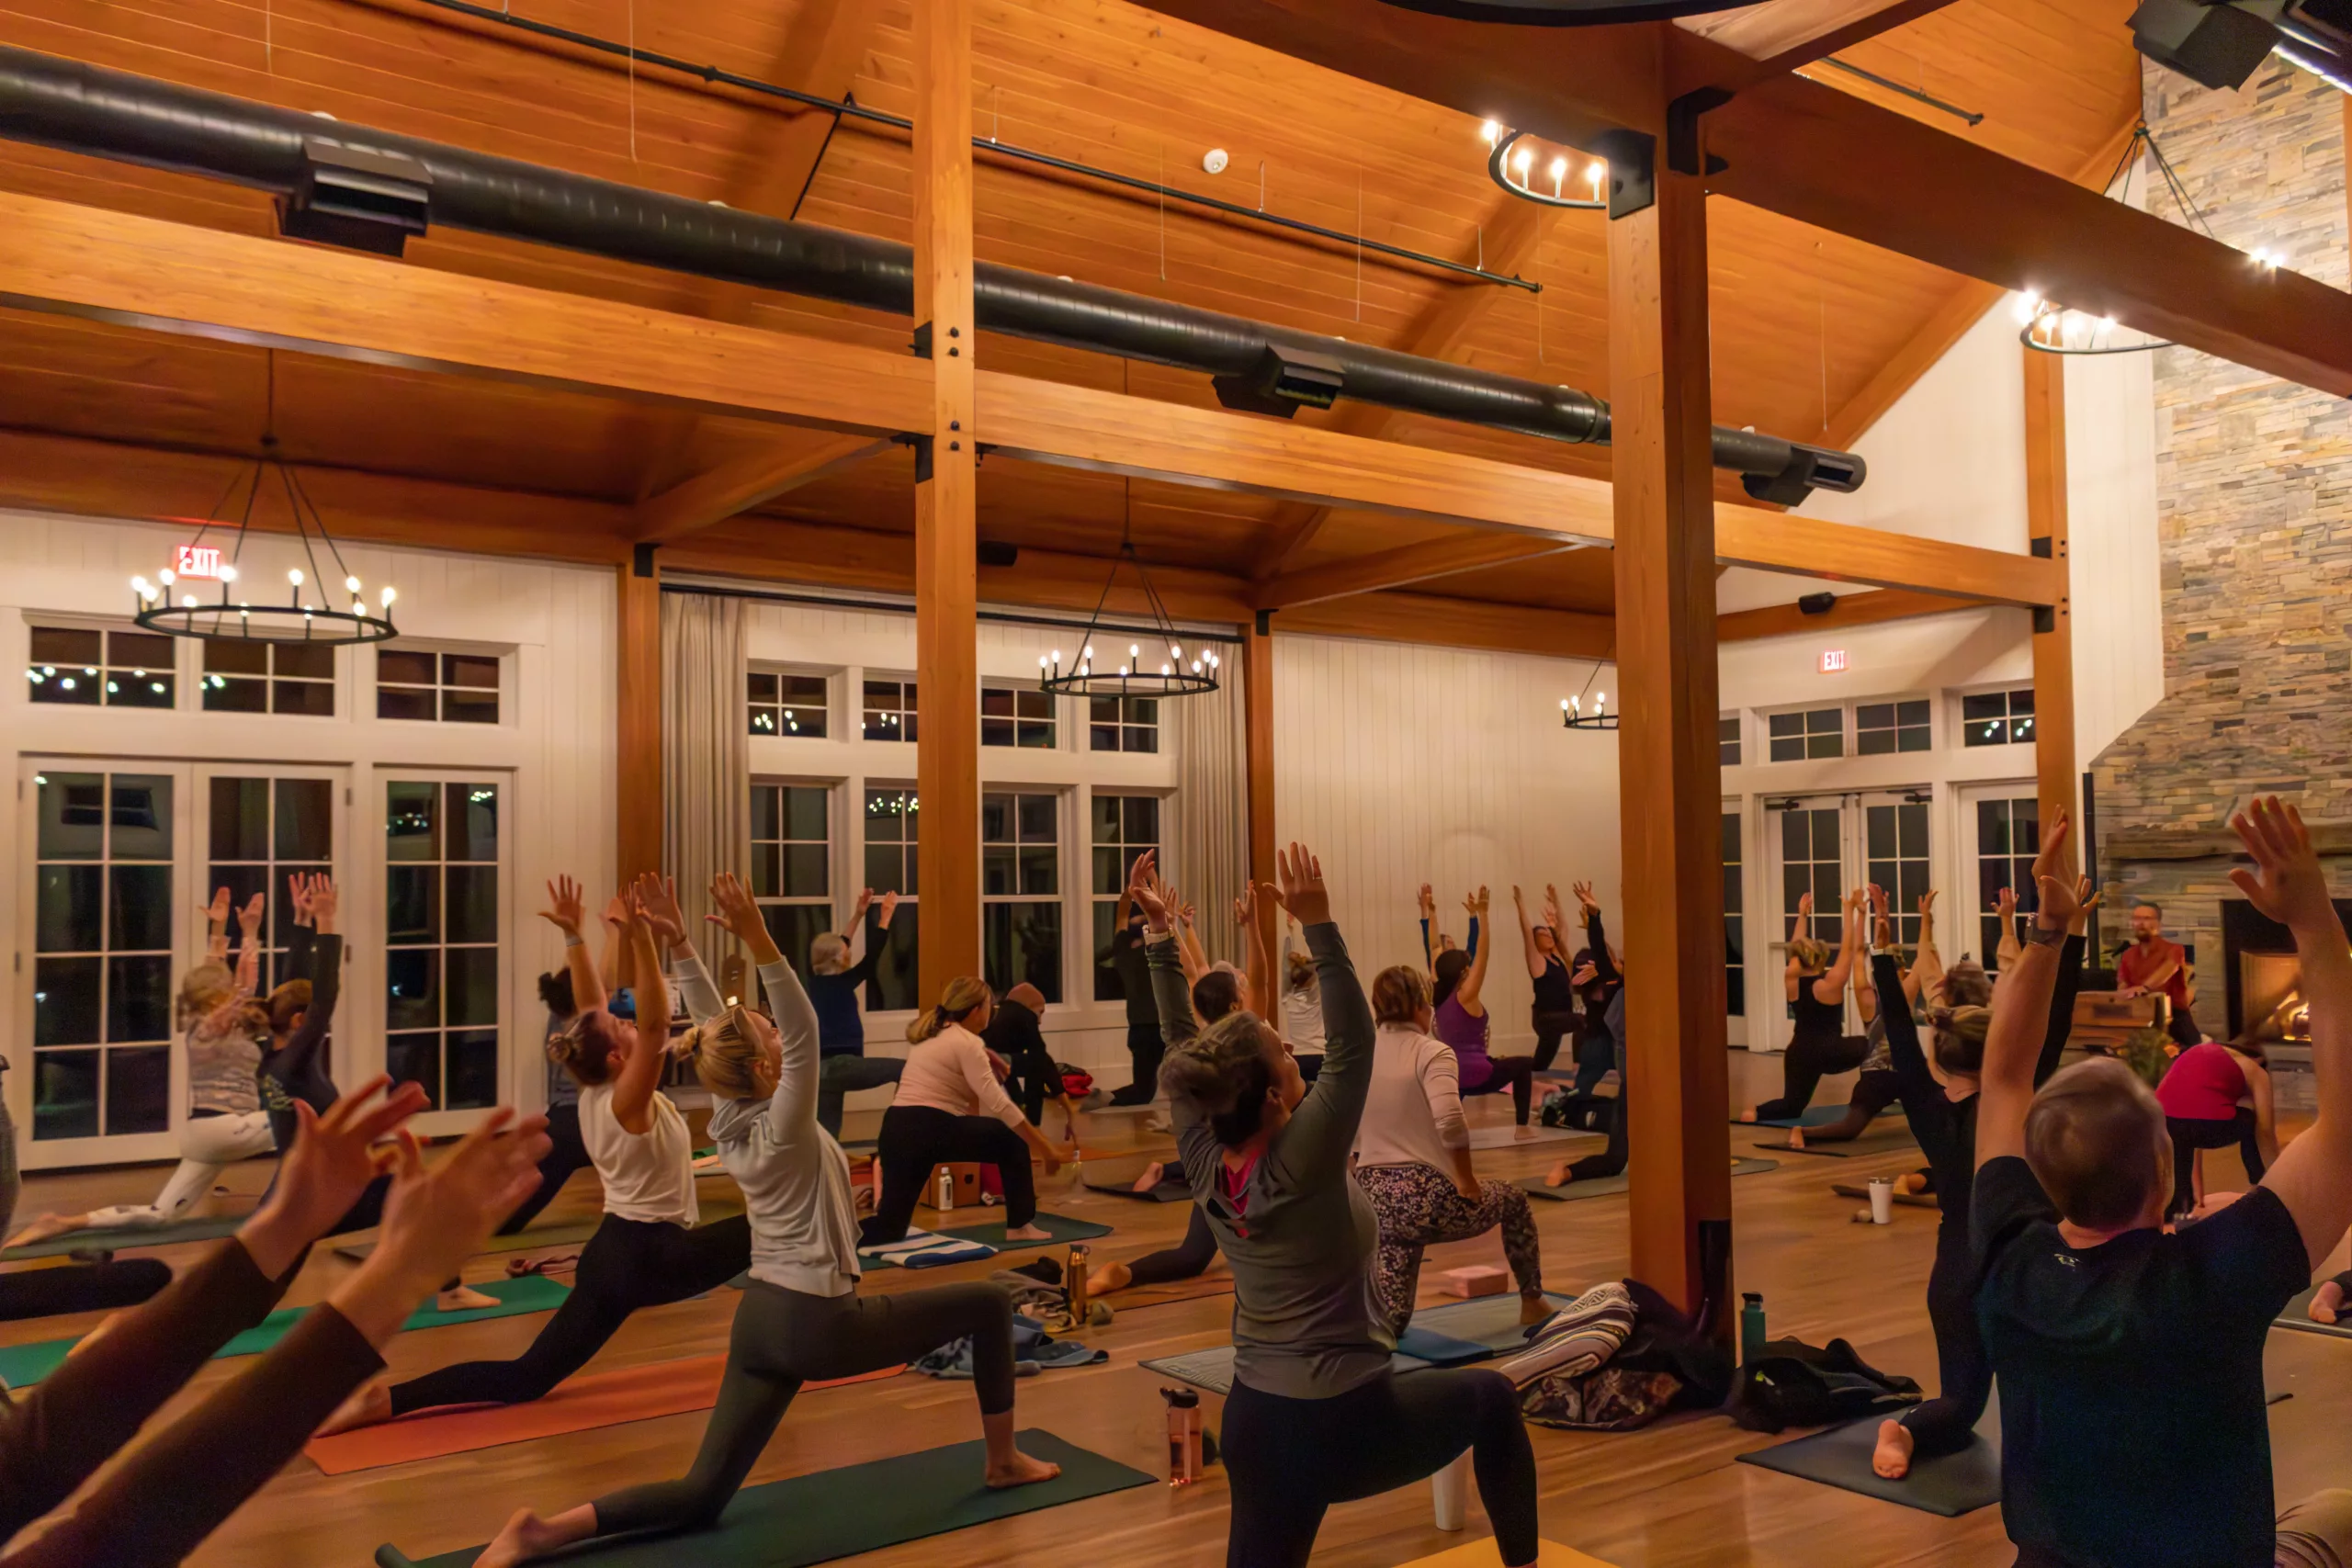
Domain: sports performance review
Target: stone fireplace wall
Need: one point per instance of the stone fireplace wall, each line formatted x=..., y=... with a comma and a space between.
x=2254, y=485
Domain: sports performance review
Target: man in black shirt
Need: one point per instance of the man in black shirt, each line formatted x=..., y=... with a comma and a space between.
x=2134, y=1422
x=1144, y=1045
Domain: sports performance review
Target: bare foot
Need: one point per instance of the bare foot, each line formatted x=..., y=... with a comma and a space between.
x=1909, y=1183
x=1892, y=1458
x=1027, y=1233
x=372, y=1405
x=525, y=1535
x=1532, y=1307
x=2327, y=1302
x=1748, y=1114
x=45, y=1227
x=1522, y=1134
x=1796, y=1138
x=864, y=1198
x=463, y=1297
x=1021, y=1472
x=1558, y=1176
x=1151, y=1176
x=1109, y=1278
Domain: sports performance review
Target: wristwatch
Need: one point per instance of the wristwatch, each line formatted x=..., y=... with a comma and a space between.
x=2039, y=935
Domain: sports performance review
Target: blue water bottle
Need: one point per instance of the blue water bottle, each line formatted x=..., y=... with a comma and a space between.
x=1751, y=1326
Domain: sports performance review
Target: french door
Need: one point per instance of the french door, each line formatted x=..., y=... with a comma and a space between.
x=2000, y=828
x=1829, y=845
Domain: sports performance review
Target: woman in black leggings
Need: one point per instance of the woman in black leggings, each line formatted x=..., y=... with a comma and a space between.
x=1316, y=1416
x=648, y=1250
x=1940, y=1102
x=1819, y=1045
x=801, y=1319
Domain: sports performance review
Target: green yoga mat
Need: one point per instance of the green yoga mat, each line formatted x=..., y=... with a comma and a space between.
x=24, y=1365
x=203, y=1228
x=574, y=1234
x=1606, y=1186
x=1060, y=1228
x=842, y=1513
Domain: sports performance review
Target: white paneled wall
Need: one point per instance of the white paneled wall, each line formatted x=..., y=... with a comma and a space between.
x=1399, y=765
x=553, y=752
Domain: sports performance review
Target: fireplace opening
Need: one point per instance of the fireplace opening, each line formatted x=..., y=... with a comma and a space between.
x=2263, y=976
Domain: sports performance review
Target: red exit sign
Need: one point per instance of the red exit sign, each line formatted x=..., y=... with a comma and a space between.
x=1833, y=660
x=198, y=561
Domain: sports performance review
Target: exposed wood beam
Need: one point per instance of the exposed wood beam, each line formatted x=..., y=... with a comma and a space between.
x=1512, y=237
x=1786, y=542
x=1782, y=35
x=1403, y=567
x=1456, y=623
x=638, y=808
x=1258, y=746
x=757, y=478
x=2057, y=783
x=1874, y=608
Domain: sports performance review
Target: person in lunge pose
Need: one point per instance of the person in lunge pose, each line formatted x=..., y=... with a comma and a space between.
x=1818, y=1045
x=1316, y=1417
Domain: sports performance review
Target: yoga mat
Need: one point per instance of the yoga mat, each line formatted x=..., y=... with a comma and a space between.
x=841, y=1513
x=1868, y=1144
x=571, y=1234
x=1483, y=1554
x=1507, y=1137
x=24, y=1365
x=1814, y=1116
x=1460, y=1332
x=1949, y=1484
x=203, y=1228
x=1908, y=1199
x=1607, y=1186
x=1211, y=1368
x=1168, y=1191
x=1060, y=1228
x=2296, y=1317
x=578, y=1404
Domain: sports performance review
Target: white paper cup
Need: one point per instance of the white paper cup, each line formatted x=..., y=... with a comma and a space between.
x=1881, y=1200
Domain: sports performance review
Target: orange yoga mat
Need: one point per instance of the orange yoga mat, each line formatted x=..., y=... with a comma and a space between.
x=581, y=1404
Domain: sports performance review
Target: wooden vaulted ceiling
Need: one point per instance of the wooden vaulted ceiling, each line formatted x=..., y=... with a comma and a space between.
x=1814, y=335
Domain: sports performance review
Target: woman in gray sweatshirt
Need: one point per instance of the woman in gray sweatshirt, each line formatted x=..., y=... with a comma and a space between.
x=801, y=1319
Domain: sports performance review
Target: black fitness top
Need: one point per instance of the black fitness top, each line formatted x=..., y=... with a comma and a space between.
x=1817, y=1019
x=299, y=1069
x=1553, y=992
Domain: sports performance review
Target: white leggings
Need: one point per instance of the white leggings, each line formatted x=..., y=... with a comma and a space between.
x=208, y=1146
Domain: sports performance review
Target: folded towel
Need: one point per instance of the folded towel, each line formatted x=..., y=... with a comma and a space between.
x=1578, y=1338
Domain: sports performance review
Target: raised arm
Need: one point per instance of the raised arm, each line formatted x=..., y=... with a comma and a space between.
x=658, y=897
x=326, y=987
x=1429, y=934
x=2021, y=1004
x=793, y=1109
x=2313, y=1175
x=1535, y=955
x=249, y=922
x=642, y=1075
x=1927, y=970
x=216, y=927
x=1474, y=980
x=1323, y=1129
x=1171, y=991
x=1604, y=963
x=1914, y=1084
x=2069, y=985
x=2005, y=951
x=1831, y=987
x=1800, y=927
x=567, y=913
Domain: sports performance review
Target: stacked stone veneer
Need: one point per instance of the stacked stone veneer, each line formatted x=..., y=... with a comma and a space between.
x=2254, y=488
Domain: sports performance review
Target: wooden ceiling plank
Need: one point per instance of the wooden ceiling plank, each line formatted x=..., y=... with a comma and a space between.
x=716, y=495
x=1403, y=567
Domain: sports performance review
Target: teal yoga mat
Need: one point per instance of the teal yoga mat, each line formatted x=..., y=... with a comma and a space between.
x=24, y=1365
x=1814, y=1116
x=1452, y=1335
x=1060, y=1228
x=205, y=1227
x=841, y=1513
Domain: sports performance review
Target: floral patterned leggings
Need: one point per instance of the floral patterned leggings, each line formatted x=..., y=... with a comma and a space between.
x=1419, y=1204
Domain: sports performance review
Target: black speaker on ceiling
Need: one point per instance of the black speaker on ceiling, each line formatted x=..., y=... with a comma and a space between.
x=2215, y=46
x=1819, y=604
x=997, y=552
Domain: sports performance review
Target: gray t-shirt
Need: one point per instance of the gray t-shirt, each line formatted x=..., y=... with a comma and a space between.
x=562, y=1087
x=1297, y=1232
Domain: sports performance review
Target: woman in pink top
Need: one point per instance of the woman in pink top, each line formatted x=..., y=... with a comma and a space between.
x=2216, y=1095
x=951, y=1108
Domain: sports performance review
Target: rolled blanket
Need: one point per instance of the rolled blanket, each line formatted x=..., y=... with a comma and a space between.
x=1578, y=1338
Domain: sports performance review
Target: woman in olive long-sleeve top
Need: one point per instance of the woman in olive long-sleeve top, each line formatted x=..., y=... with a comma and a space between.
x=1316, y=1416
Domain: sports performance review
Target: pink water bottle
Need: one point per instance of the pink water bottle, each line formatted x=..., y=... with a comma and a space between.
x=1183, y=1436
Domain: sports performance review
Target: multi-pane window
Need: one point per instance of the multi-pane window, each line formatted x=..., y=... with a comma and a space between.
x=1817, y=732
x=889, y=710
x=2009, y=836
x=441, y=939
x=1735, y=922
x=1812, y=860
x=792, y=878
x=102, y=955
x=242, y=676
x=259, y=833
x=1894, y=838
x=1997, y=719
x=1727, y=741
x=1124, y=826
x=1123, y=724
x=1021, y=909
x=1883, y=729
x=450, y=688
x=893, y=824
x=1017, y=715
x=89, y=667
x=783, y=703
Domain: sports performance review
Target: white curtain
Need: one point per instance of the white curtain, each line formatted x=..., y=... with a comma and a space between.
x=1209, y=854
x=706, y=755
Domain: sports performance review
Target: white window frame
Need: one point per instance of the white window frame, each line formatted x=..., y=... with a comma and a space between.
x=515, y=1063
x=832, y=705
x=1019, y=689
x=1841, y=707
x=1061, y=898
x=338, y=681
x=504, y=653
x=1974, y=897
x=831, y=902
x=39, y=620
x=1854, y=726
x=915, y=713
x=2005, y=690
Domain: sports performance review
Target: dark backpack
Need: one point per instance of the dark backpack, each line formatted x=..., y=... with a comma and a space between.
x=1792, y=1384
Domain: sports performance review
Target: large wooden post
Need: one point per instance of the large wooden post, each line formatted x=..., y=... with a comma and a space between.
x=947, y=766
x=1669, y=790
x=638, y=789
x=1257, y=722
x=2056, y=782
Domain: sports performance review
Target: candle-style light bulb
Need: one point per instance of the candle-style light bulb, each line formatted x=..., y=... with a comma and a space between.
x=387, y=596
x=227, y=574
x=351, y=585
x=167, y=577
x=294, y=576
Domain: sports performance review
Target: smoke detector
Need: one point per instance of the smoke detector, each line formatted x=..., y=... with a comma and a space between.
x=1215, y=160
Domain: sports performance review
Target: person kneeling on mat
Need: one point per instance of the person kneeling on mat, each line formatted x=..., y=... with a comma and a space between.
x=801, y=1319
x=1316, y=1417
x=950, y=1108
x=2134, y=1421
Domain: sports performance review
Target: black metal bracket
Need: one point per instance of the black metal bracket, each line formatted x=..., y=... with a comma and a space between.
x=2045, y=619
x=1265, y=623
x=1632, y=170
x=1682, y=150
x=641, y=562
x=921, y=343
x=2041, y=544
x=921, y=444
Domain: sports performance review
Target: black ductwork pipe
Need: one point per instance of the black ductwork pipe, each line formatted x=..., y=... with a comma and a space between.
x=78, y=107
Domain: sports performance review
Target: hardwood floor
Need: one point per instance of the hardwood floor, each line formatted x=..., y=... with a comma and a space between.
x=1665, y=1497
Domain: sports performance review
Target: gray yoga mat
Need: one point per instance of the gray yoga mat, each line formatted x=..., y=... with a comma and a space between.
x=1814, y=1116
x=1949, y=1484
x=2297, y=1316
x=1506, y=1136
x=1211, y=1368
x=204, y=1227
x=1456, y=1333
x=1868, y=1144
x=1605, y=1186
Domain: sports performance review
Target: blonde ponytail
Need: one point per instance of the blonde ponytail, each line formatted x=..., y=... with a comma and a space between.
x=962, y=994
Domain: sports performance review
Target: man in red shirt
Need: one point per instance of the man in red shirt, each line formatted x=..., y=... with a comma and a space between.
x=2151, y=964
